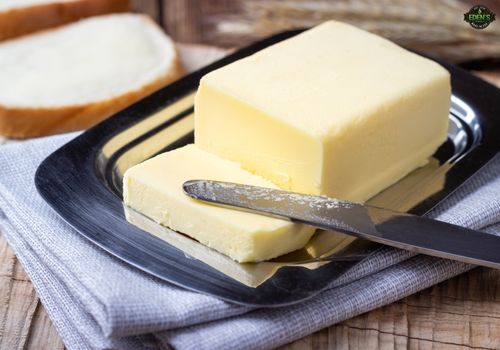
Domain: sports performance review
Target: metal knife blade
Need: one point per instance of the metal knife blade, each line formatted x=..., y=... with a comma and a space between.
x=401, y=230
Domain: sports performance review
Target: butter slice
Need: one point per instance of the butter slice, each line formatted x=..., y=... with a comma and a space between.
x=154, y=188
x=334, y=111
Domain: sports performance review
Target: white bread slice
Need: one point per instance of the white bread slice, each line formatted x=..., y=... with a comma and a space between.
x=76, y=75
x=19, y=17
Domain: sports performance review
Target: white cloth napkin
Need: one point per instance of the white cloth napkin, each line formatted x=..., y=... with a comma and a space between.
x=96, y=301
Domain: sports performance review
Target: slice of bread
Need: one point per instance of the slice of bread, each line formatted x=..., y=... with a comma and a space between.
x=19, y=17
x=74, y=76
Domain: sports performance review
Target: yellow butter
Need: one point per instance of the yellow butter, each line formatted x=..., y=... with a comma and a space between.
x=154, y=188
x=335, y=111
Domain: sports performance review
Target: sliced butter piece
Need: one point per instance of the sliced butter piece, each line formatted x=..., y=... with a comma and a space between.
x=334, y=111
x=154, y=188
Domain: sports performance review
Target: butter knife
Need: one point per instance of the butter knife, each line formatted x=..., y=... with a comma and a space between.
x=400, y=230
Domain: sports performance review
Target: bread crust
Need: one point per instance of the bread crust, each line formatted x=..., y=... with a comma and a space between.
x=33, y=122
x=21, y=21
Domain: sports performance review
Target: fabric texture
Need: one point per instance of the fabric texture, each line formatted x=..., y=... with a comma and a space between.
x=96, y=301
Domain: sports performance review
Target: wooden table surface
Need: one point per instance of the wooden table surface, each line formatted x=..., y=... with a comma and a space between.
x=461, y=313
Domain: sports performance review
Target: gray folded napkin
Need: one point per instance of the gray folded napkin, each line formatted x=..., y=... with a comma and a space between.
x=96, y=301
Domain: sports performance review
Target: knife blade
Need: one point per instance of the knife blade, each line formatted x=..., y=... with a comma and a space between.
x=400, y=230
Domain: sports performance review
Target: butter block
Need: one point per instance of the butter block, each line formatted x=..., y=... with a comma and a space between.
x=154, y=188
x=335, y=111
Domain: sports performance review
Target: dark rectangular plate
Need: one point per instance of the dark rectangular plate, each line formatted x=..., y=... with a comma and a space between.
x=82, y=182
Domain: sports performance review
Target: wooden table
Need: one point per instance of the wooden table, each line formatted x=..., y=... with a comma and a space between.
x=461, y=313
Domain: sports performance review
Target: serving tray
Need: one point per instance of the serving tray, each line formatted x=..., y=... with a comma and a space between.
x=82, y=181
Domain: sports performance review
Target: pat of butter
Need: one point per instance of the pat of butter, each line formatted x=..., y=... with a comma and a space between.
x=154, y=188
x=334, y=111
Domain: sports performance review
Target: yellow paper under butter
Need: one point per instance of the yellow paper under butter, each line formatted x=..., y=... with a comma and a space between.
x=335, y=111
x=154, y=188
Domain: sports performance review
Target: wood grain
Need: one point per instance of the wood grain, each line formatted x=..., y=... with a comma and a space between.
x=43, y=335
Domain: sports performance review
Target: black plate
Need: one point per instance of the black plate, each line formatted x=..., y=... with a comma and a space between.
x=82, y=182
